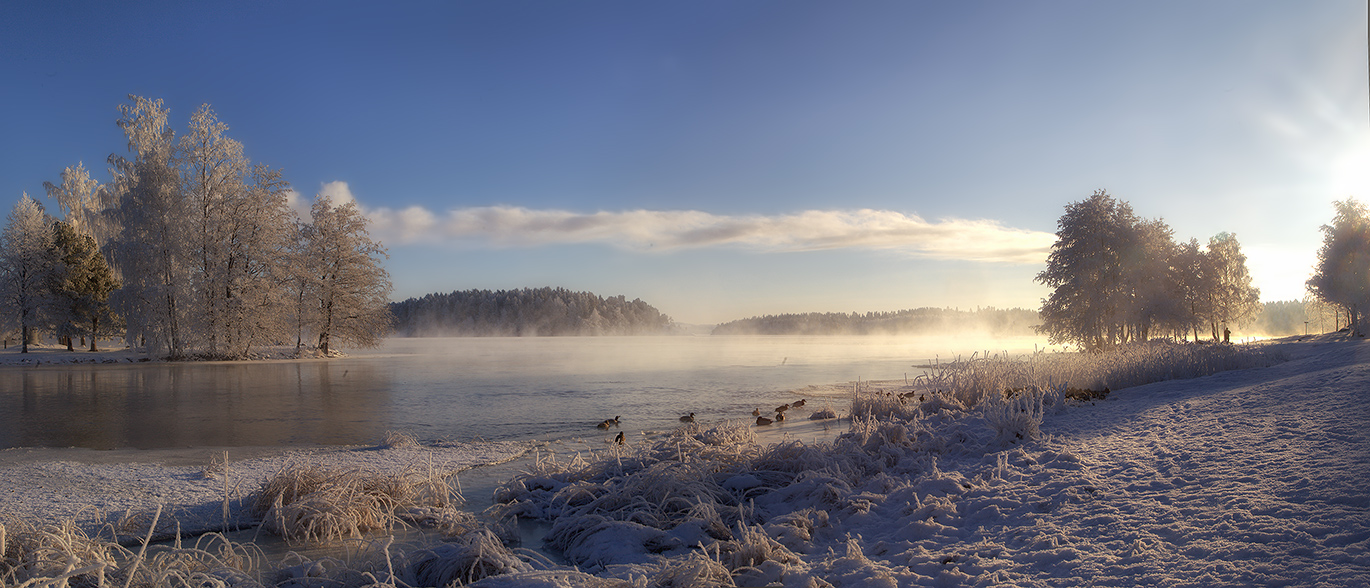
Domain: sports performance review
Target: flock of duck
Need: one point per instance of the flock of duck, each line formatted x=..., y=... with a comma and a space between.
x=760, y=420
x=613, y=422
x=779, y=413
x=690, y=418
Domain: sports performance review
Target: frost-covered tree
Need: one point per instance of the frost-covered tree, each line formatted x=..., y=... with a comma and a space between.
x=204, y=244
x=299, y=284
x=258, y=264
x=241, y=232
x=81, y=284
x=212, y=170
x=1149, y=280
x=1234, y=298
x=1193, y=283
x=26, y=260
x=348, y=287
x=1342, y=274
x=1117, y=278
x=1086, y=269
x=154, y=249
x=82, y=200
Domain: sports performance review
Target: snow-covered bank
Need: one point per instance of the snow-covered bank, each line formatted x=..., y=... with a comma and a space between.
x=1244, y=477
x=51, y=354
x=117, y=488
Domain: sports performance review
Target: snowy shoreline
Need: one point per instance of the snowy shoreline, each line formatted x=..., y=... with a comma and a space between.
x=97, y=488
x=1251, y=476
x=44, y=354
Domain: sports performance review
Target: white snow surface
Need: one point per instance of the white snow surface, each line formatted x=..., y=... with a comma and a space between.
x=1251, y=477
x=97, y=489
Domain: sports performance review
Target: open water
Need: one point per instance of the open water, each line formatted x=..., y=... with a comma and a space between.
x=458, y=389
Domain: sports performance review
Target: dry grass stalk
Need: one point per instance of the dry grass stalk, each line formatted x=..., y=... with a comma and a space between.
x=312, y=504
x=56, y=556
x=399, y=440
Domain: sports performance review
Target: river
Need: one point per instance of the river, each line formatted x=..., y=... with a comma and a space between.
x=454, y=389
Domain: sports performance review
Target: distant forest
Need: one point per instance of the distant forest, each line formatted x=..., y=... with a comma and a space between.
x=917, y=321
x=1287, y=317
x=526, y=312
x=1279, y=318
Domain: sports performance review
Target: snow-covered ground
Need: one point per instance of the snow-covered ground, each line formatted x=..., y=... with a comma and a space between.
x=98, y=488
x=117, y=352
x=47, y=354
x=1251, y=477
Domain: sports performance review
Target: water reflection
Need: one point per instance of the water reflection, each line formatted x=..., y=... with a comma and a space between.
x=187, y=405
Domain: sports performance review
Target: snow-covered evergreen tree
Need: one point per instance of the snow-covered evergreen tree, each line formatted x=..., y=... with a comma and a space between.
x=81, y=284
x=26, y=260
x=1342, y=274
x=526, y=312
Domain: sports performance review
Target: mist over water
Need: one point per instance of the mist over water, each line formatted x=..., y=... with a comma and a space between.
x=457, y=389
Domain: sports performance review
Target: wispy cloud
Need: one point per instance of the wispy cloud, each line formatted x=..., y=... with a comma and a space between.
x=667, y=230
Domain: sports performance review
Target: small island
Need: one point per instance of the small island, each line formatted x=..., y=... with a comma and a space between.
x=526, y=312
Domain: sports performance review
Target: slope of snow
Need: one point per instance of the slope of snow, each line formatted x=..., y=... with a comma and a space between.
x=1253, y=477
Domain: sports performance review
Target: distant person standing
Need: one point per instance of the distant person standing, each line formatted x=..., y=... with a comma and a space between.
x=1227, y=335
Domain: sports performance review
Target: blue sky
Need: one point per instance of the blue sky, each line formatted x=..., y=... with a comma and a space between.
x=726, y=159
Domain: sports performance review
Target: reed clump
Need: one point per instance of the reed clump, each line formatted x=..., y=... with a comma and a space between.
x=305, y=503
x=399, y=440
x=56, y=555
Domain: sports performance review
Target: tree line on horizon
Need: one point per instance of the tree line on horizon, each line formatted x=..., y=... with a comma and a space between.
x=916, y=321
x=191, y=250
x=1118, y=278
x=526, y=312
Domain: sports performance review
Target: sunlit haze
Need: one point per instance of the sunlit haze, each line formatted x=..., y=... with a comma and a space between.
x=724, y=159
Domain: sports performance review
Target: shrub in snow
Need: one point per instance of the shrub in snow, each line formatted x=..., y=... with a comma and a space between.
x=753, y=546
x=399, y=440
x=464, y=560
x=696, y=571
x=795, y=530
x=1018, y=418
x=312, y=504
